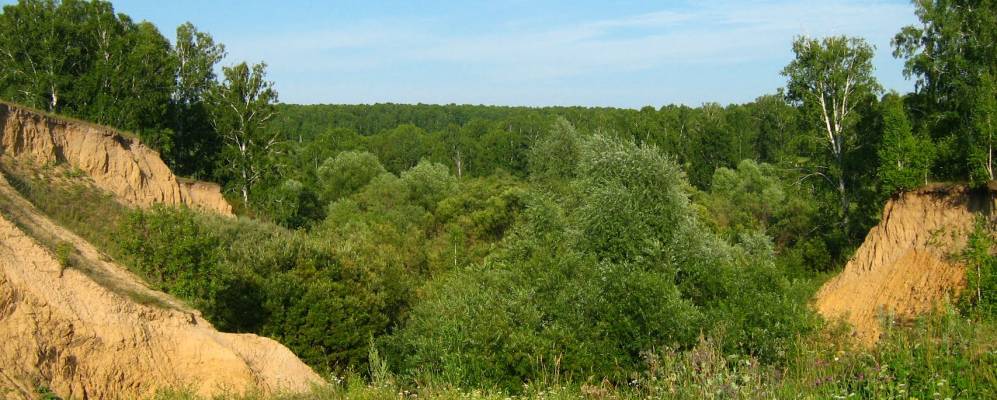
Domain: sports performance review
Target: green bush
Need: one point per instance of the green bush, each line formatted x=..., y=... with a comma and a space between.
x=980, y=294
x=555, y=155
x=64, y=252
x=345, y=174
x=584, y=287
x=248, y=276
x=288, y=203
x=904, y=158
x=937, y=356
x=428, y=183
x=174, y=252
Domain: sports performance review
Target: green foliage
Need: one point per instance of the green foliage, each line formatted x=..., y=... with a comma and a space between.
x=173, y=252
x=512, y=248
x=64, y=254
x=713, y=145
x=478, y=140
x=251, y=277
x=904, y=160
x=345, y=174
x=826, y=73
x=472, y=219
x=428, y=183
x=980, y=294
x=980, y=139
x=832, y=80
x=81, y=58
x=760, y=199
x=955, y=35
x=752, y=197
x=632, y=201
x=240, y=108
x=403, y=147
x=555, y=155
x=44, y=393
x=939, y=356
x=325, y=316
x=90, y=213
x=585, y=288
x=196, y=145
x=289, y=203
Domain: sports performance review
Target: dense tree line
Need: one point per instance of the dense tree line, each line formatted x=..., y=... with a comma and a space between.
x=82, y=59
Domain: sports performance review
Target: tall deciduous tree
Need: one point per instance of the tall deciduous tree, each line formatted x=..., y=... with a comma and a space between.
x=39, y=53
x=904, y=159
x=240, y=108
x=776, y=121
x=982, y=128
x=133, y=85
x=195, y=142
x=830, y=78
x=81, y=58
x=953, y=56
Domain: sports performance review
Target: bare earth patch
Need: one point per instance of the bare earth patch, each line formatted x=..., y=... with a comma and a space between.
x=905, y=267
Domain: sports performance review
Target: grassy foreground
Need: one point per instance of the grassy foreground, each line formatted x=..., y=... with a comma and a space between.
x=941, y=356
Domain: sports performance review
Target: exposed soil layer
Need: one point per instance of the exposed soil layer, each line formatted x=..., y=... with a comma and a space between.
x=116, y=162
x=85, y=327
x=908, y=262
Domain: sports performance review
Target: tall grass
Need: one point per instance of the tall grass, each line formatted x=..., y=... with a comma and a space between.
x=941, y=356
x=83, y=209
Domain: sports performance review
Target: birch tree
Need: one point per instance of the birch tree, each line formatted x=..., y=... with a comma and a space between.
x=829, y=78
x=37, y=52
x=82, y=59
x=240, y=108
x=951, y=55
x=194, y=142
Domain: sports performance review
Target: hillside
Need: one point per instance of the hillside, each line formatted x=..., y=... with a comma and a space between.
x=77, y=322
x=115, y=161
x=908, y=263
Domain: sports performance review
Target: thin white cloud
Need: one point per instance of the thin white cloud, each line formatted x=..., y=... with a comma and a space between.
x=724, y=33
x=655, y=19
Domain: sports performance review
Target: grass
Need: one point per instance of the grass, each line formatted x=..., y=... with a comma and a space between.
x=64, y=252
x=67, y=198
x=77, y=207
x=945, y=355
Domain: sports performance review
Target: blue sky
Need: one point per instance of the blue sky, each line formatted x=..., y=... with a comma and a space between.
x=521, y=52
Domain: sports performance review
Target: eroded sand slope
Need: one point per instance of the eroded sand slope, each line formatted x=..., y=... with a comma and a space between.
x=93, y=330
x=119, y=164
x=906, y=264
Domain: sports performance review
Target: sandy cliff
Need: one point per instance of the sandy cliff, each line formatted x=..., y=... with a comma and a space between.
x=115, y=162
x=906, y=264
x=93, y=330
